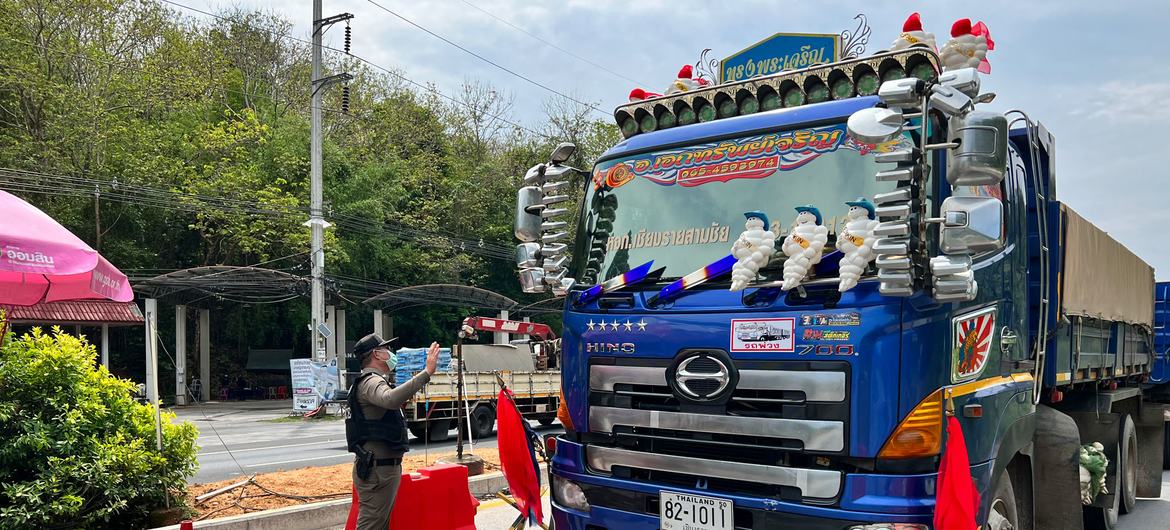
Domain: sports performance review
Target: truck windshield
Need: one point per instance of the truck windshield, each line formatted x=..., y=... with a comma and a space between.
x=684, y=207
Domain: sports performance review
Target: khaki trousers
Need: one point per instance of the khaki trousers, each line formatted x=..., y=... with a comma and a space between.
x=376, y=496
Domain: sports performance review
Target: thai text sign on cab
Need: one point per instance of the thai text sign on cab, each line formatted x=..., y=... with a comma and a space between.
x=778, y=53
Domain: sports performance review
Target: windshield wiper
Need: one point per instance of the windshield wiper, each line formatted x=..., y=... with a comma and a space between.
x=701, y=276
x=633, y=276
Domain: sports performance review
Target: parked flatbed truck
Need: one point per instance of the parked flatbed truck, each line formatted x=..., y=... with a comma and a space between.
x=986, y=293
x=432, y=413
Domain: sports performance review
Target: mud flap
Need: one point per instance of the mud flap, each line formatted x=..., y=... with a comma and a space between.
x=1058, y=501
x=1150, y=425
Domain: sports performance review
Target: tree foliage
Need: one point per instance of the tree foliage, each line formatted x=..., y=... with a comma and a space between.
x=136, y=93
x=78, y=451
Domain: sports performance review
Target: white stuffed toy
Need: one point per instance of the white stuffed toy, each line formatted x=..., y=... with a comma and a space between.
x=968, y=47
x=856, y=242
x=913, y=35
x=803, y=246
x=752, y=250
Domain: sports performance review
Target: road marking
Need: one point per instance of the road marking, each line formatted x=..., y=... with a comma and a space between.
x=271, y=447
x=347, y=455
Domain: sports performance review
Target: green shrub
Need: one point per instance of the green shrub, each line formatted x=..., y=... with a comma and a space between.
x=76, y=451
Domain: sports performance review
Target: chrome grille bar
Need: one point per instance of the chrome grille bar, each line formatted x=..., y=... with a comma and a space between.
x=813, y=483
x=817, y=386
x=817, y=435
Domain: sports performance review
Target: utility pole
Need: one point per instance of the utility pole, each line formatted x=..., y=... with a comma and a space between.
x=317, y=221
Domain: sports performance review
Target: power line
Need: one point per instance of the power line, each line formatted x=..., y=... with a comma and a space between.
x=489, y=61
x=363, y=60
x=114, y=191
x=554, y=46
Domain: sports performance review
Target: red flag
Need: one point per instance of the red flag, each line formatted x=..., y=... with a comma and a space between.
x=957, y=500
x=517, y=457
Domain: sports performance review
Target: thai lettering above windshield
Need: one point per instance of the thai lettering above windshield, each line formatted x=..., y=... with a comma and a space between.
x=754, y=157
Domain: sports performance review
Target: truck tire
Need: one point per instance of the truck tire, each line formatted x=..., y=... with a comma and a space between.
x=439, y=430
x=1003, y=514
x=483, y=421
x=1127, y=470
x=545, y=422
x=1166, y=447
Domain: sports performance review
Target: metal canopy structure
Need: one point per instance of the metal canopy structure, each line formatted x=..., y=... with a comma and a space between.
x=221, y=283
x=440, y=294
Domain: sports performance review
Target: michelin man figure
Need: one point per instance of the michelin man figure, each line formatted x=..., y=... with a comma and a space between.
x=804, y=245
x=856, y=242
x=752, y=250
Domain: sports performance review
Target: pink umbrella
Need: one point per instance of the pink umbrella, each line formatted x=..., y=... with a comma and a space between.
x=41, y=261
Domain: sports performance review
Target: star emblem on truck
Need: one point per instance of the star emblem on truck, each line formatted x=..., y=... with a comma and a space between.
x=615, y=325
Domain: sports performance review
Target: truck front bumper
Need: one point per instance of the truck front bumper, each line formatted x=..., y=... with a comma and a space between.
x=616, y=503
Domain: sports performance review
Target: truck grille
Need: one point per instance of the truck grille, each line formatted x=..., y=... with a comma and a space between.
x=779, y=414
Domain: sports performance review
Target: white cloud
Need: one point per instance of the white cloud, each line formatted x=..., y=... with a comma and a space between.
x=1127, y=102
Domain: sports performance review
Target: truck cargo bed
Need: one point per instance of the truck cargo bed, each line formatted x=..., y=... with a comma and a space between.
x=1103, y=329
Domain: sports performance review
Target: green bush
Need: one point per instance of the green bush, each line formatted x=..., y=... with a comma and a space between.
x=76, y=451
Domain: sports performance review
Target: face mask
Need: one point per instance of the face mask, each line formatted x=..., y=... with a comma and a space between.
x=392, y=360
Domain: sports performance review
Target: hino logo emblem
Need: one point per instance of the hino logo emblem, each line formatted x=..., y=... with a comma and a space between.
x=702, y=377
x=610, y=347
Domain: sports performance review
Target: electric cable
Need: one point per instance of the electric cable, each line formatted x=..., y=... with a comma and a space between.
x=489, y=61
x=395, y=74
x=554, y=46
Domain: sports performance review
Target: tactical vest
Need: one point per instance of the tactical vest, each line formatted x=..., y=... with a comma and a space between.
x=390, y=428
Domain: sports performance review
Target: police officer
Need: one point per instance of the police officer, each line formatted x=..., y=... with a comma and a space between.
x=375, y=429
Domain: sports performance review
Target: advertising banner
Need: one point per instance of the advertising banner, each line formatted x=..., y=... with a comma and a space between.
x=313, y=383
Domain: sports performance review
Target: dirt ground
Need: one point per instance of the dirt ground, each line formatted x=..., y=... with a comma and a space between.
x=299, y=486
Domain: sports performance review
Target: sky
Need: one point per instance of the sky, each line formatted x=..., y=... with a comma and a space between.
x=1094, y=73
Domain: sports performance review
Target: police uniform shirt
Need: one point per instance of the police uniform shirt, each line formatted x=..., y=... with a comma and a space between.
x=377, y=397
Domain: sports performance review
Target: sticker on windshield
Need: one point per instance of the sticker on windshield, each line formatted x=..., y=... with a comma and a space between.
x=753, y=157
x=763, y=334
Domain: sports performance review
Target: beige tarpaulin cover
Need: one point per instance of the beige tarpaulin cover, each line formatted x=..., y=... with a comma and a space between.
x=1102, y=278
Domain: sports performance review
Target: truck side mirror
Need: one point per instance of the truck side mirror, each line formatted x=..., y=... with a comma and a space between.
x=563, y=152
x=527, y=255
x=973, y=225
x=980, y=159
x=529, y=204
x=532, y=280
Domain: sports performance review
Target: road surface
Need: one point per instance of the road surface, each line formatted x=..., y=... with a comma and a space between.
x=260, y=445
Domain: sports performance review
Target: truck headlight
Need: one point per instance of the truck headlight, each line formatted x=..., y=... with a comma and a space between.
x=568, y=494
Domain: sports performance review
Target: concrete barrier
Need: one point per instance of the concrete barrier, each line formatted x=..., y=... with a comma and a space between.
x=328, y=514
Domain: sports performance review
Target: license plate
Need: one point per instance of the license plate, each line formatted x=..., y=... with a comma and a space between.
x=680, y=511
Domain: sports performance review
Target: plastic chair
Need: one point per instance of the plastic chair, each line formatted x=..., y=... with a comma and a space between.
x=271, y=392
x=282, y=392
x=223, y=394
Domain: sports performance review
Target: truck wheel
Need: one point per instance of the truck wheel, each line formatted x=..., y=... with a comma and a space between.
x=1106, y=518
x=1127, y=470
x=1003, y=514
x=483, y=421
x=1166, y=447
x=439, y=431
x=418, y=429
x=549, y=421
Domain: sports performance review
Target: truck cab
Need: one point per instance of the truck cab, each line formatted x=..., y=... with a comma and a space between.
x=693, y=406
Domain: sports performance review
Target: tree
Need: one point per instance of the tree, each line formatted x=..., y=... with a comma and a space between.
x=78, y=451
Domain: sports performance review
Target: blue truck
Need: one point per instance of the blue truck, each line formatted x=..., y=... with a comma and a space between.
x=688, y=405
